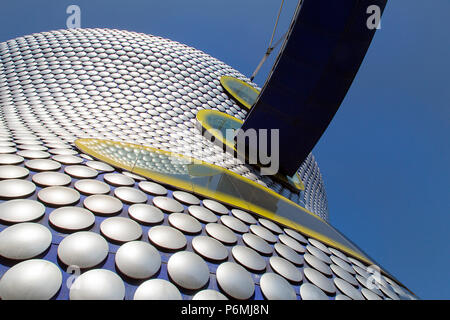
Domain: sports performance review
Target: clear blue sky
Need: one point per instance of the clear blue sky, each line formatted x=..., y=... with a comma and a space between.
x=385, y=157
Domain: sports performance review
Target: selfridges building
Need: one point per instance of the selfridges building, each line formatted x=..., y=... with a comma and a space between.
x=110, y=190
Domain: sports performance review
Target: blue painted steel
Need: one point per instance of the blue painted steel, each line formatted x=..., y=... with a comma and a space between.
x=322, y=53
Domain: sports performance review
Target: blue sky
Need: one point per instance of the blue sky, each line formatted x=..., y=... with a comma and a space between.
x=385, y=156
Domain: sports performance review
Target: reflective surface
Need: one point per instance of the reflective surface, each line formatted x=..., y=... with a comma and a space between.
x=90, y=186
x=186, y=198
x=42, y=165
x=209, y=295
x=263, y=233
x=289, y=254
x=103, y=204
x=221, y=233
x=319, y=280
x=98, y=284
x=185, y=223
x=167, y=204
x=309, y=291
x=83, y=249
x=21, y=210
x=318, y=254
x=202, y=214
x=234, y=224
x=120, y=229
x=270, y=225
x=317, y=264
x=13, y=172
x=15, y=188
x=117, y=179
x=188, y=270
x=285, y=269
x=243, y=216
x=24, y=241
x=145, y=213
x=58, y=196
x=292, y=243
x=130, y=195
x=167, y=237
x=348, y=289
x=341, y=273
x=241, y=91
x=257, y=243
x=51, y=179
x=31, y=280
x=71, y=218
x=207, y=180
x=275, y=287
x=295, y=235
x=249, y=258
x=79, y=171
x=209, y=248
x=155, y=104
x=153, y=188
x=215, y=206
x=235, y=280
x=157, y=289
x=138, y=260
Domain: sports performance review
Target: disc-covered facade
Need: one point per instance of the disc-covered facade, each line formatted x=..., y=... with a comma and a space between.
x=69, y=215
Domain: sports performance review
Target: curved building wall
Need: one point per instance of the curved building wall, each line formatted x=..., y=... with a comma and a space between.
x=126, y=86
x=56, y=87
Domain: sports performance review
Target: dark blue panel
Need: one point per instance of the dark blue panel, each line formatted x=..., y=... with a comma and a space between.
x=313, y=72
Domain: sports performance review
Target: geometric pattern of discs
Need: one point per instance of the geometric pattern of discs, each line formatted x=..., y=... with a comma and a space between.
x=61, y=85
x=140, y=238
x=190, y=256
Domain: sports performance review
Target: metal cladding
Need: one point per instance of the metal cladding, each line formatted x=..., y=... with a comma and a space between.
x=116, y=229
x=118, y=85
x=322, y=53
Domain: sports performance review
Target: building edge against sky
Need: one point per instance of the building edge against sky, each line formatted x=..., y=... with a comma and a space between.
x=63, y=85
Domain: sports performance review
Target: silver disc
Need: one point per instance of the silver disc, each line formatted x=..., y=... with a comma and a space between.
x=71, y=218
x=202, y=214
x=235, y=280
x=146, y=213
x=13, y=172
x=83, y=249
x=249, y=258
x=48, y=179
x=168, y=204
x=309, y=291
x=188, y=270
x=120, y=229
x=157, y=289
x=103, y=204
x=24, y=241
x=221, y=233
x=59, y=196
x=209, y=294
x=275, y=287
x=97, y=284
x=215, y=206
x=16, y=188
x=167, y=237
x=209, y=248
x=91, y=186
x=31, y=280
x=185, y=223
x=138, y=260
x=21, y=210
